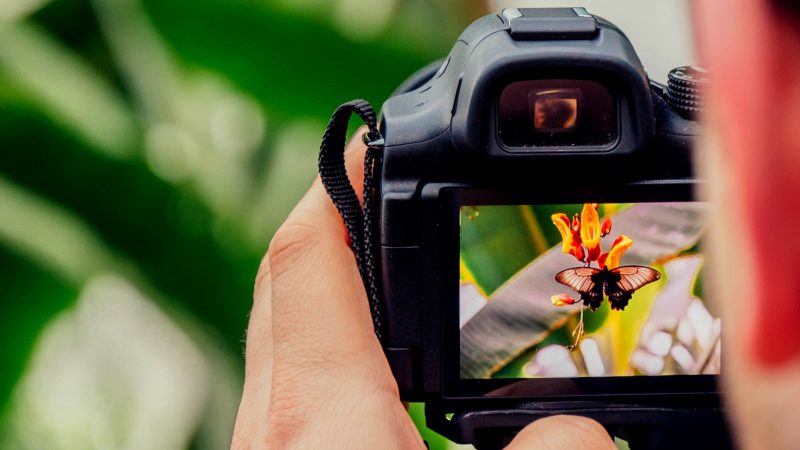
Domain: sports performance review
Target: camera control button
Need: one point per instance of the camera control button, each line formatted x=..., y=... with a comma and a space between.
x=581, y=12
x=511, y=13
x=685, y=90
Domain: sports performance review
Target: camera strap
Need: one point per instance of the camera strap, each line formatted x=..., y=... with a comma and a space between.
x=358, y=221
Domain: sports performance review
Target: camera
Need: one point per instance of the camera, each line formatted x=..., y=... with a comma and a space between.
x=539, y=240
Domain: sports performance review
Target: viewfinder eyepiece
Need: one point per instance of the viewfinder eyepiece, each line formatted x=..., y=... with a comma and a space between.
x=555, y=110
x=557, y=113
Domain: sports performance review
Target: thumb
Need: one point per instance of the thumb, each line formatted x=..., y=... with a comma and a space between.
x=563, y=433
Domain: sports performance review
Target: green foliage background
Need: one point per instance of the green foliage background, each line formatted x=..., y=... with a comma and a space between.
x=164, y=141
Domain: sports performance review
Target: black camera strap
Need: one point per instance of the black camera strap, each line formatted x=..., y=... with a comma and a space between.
x=358, y=221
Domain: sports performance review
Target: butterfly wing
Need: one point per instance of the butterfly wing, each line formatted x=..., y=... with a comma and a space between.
x=625, y=280
x=585, y=281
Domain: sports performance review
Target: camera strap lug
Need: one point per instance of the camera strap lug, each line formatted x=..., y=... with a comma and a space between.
x=373, y=144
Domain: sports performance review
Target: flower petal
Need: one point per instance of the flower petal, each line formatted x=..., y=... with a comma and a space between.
x=605, y=227
x=561, y=221
x=577, y=252
x=562, y=300
x=570, y=240
x=590, y=231
x=621, y=244
x=601, y=261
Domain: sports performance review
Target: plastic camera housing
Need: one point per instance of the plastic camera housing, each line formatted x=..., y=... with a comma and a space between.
x=448, y=143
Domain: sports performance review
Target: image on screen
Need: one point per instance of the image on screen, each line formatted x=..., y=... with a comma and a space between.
x=585, y=290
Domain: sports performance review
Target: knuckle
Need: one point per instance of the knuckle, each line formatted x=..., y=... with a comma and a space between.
x=296, y=396
x=293, y=239
x=288, y=412
x=332, y=396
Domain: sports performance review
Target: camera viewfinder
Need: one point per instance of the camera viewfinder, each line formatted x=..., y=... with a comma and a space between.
x=557, y=113
x=555, y=110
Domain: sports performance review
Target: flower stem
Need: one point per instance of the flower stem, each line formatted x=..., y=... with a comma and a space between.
x=577, y=333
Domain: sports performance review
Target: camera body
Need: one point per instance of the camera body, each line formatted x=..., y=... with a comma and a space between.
x=531, y=106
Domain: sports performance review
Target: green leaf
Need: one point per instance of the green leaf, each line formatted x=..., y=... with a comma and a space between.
x=298, y=66
x=435, y=440
x=67, y=88
x=165, y=234
x=496, y=242
x=32, y=296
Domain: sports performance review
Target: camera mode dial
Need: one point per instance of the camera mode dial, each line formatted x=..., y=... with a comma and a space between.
x=685, y=90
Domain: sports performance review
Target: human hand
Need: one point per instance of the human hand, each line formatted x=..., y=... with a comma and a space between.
x=315, y=374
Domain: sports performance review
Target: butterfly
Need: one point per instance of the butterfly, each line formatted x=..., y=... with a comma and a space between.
x=618, y=284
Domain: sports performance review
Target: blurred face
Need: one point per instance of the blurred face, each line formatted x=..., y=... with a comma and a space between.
x=752, y=158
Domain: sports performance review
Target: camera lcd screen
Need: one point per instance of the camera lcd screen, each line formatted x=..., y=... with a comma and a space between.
x=585, y=290
x=557, y=113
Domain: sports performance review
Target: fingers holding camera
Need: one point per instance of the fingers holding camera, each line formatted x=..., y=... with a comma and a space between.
x=316, y=376
x=318, y=304
x=563, y=432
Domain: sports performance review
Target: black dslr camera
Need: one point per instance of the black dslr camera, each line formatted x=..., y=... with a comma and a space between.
x=538, y=240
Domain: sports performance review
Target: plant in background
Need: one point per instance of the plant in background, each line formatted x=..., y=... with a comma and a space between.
x=147, y=153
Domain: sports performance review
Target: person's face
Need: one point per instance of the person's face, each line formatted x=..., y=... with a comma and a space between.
x=752, y=158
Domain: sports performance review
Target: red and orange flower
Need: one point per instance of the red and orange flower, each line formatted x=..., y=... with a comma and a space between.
x=581, y=238
x=570, y=235
x=562, y=300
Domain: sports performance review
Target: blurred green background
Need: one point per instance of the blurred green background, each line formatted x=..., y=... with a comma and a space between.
x=148, y=151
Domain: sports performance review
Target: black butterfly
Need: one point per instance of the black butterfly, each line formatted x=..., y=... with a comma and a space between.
x=618, y=284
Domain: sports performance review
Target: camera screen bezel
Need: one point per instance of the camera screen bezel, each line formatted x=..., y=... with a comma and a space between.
x=443, y=253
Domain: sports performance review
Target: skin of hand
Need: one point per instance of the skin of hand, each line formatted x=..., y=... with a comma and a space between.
x=752, y=162
x=315, y=374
